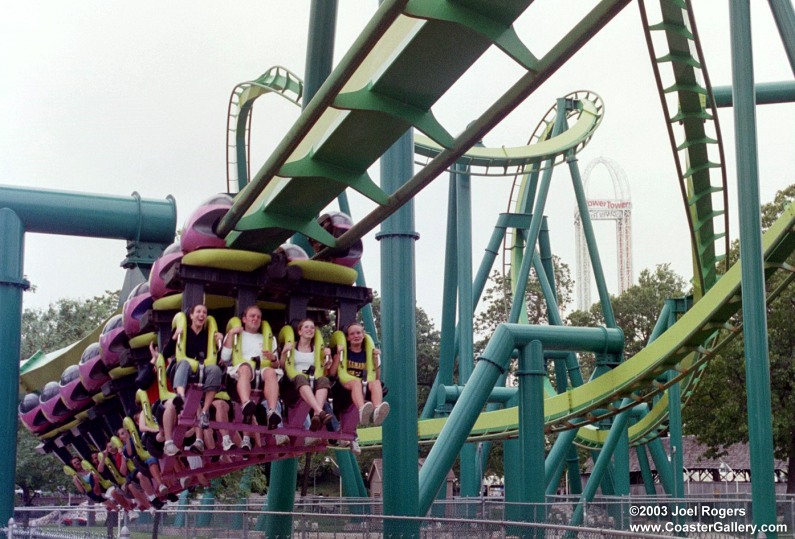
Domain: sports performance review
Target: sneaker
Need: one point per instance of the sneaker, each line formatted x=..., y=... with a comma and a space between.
x=355, y=449
x=282, y=440
x=273, y=419
x=312, y=441
x=162, y=489
x=204, y=420
x=184, y=481
x=178, y=402
x=170, y=448
x=198, y=446
x=325, y=417
x=246, y=443
x=365, y=413
x=248, y=411
x=380, y=413
x=344, y=443
x=227, y=443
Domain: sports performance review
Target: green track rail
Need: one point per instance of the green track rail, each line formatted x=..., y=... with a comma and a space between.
x=387, y=84
x=276, y=80
x=693, y=130
x=680, y=348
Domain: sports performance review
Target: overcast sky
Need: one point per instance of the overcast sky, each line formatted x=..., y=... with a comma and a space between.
x=110, y=97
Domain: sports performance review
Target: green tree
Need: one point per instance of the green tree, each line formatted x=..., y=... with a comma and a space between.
x=637, y=309
x=717, y=413
x=64, y=322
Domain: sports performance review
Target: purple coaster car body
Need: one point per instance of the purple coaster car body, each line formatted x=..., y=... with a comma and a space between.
x=112, y=342
x=138, y=303
x=92, y=371
x=157, y=286
x=199, y=229
x=31, y=415
x=52, y=406
x=337, y=223
x=73, y=393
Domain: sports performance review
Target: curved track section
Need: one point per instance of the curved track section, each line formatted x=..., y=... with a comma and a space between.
x=387, y=84
x=693, y=130
x=276, y=80
x=681, y=347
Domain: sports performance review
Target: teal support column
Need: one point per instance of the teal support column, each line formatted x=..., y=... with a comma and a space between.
x=512, y=460
x=766, y=93
x=181, y=516
x=531, y=426
x=620, y=511
x=621, y=465
x=319, y=58
x=645, y=470
x=245, y=487
x=600, y=467
x=204, y=519
x=675, y=418
x=469, y=476
x=573, y=471
x=490, y=366
x=280, y=500
x=590, y=241
x=399, y=337
x=663, y=465
x=320, y=46
x=531, y=237
x=351, y=476
x=675, y=439
x=12, y=284
x=757, y=365
x=444, y=376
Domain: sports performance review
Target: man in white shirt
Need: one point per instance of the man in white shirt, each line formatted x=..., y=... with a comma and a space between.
x=252, y=346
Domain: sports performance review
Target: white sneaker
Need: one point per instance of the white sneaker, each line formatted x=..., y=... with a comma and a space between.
x=162, y=489
x=365, y=414
x=227, y=443
x=170, y=448
x=344, y=443
x=282, y=440
x=355, y=449
x=380, y=413
x=312, y=441
x=246, y=443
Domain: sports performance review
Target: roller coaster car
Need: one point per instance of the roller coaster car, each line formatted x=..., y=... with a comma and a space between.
x=138, y=303
x=157, y=285
x=337, y=223
x=112, y=341
x=74, y=394
x=53, y=408
x=92, y=371
x=31, y=415
x=199, y=229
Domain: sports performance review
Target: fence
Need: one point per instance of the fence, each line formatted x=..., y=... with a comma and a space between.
x=487, y=517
